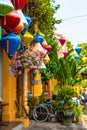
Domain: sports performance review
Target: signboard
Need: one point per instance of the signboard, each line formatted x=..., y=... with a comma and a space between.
x=35, y=81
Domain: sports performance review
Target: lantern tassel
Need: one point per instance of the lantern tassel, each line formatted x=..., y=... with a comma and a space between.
x=7, y=46
x=5, y=20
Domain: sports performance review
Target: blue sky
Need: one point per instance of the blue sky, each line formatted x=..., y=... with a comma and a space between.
x=74, y=29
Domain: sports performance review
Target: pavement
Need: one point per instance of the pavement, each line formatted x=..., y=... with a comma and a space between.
x=82, y=125
x=54, y=126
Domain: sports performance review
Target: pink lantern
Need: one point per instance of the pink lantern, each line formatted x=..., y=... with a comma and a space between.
x=62, y=40
x=65, y=54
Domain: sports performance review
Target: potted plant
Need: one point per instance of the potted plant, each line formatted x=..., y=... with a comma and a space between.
x=78, y=112
x=65, y=105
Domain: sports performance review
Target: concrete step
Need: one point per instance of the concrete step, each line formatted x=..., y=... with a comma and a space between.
x=18, y=127
x=12, y=126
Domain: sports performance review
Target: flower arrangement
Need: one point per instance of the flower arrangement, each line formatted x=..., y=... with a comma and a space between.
x=26, y=59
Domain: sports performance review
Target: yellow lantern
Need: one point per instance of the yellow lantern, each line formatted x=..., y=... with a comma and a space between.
x=84, y=59
x=46, y=59
x=27, y=37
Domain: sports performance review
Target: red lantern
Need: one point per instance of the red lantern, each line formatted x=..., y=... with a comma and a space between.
x=48, y=47
x=44, y=44
x=18, y=28
x=62, y=40
x=10, y=21
x=19, y=4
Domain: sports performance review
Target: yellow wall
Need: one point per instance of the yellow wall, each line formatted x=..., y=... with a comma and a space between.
x=8, y=91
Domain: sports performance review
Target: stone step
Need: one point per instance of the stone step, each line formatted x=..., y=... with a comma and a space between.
x=18, y=127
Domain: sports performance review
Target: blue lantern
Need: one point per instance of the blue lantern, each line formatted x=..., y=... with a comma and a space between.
x=29, y=22
x=38, y=38
x=10, y=43
x=76, y=57
x=78, y=49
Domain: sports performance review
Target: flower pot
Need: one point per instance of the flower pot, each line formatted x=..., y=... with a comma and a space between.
x=67, y=121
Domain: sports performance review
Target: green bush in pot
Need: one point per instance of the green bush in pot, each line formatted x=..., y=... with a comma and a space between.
x=65, y=105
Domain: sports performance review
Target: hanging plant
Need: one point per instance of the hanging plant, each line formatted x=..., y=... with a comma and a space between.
x=26, y=59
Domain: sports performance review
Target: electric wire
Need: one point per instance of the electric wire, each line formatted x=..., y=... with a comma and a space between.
x=74, y=17
x=76, y=22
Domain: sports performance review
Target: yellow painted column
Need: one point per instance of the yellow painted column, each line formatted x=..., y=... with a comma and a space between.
x=51, y=87
x=36, y=84
x=8, y=91
x=25, y=94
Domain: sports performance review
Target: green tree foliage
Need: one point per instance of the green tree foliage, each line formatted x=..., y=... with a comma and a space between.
x=42, y=11
x=84, y=49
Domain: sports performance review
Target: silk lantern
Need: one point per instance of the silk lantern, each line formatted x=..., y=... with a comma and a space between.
x=27, y=38
x=46, y=59
x=84, y=59
x=5, y=7
x=76, y=57
x=78, y=49
x=48, y=47
x=42, y=65
x=40, y=49
x=38, y=38
x=44, y=44
x=22, y=17
x=19, y=28
x=62, y=40
x=10, y=43
x=29, y=22
x=10, y=21
x=65, y=54
x=19, y=4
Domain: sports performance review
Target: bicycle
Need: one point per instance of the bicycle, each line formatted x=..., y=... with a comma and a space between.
x=44, y=112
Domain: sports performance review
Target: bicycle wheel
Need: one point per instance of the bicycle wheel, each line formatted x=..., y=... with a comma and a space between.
x=40, y=113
